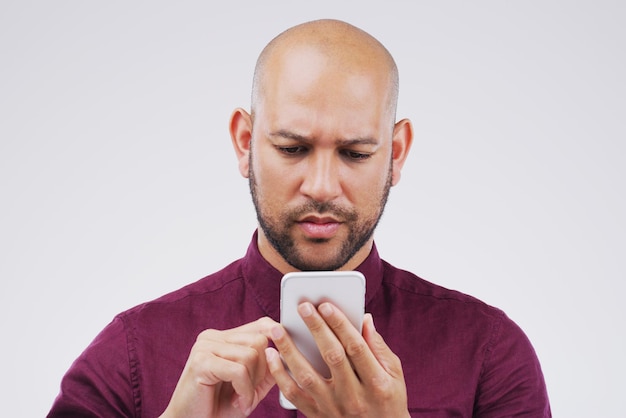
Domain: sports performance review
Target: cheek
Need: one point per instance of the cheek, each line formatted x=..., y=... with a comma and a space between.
x=367, y=185
x=272, y=180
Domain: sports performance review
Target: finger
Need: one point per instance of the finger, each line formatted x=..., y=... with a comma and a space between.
x=237, y=346
x=290, y=389
x=261, y=326
x=245, y=349
x=357, y=350
x=266, y=384
x=241, y=354
x=241, y=336
x=261, y=390
x=262, y=381
x=302, y=373
x=218, y=369
x=387, y=359
x=331, y=349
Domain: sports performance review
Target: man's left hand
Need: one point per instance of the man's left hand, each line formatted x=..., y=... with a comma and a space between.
x=366, y=376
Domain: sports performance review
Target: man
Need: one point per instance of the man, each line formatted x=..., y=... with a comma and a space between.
x=321, y=149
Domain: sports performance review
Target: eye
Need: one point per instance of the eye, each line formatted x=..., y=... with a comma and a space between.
x=357, y=156
x=295, y=150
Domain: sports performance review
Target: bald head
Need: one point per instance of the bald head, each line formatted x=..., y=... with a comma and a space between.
x=337, y=46
x=322, y=148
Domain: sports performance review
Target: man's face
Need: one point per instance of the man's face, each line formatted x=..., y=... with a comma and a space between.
x=320, y=162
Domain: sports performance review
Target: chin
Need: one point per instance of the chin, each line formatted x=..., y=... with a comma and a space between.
x=320, y=263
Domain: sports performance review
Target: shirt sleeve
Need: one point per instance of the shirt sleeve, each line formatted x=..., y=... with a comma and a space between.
x=511, y=382
x=102, y=380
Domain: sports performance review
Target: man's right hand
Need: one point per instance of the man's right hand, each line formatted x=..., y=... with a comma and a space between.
x=226, y=374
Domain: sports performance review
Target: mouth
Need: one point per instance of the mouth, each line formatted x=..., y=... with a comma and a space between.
x=319, y=227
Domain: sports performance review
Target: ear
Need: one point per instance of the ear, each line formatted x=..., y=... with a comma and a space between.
x=401, y=144
x=241, y=134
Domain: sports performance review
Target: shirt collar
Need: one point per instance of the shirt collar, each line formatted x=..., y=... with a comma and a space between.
x=264, y=280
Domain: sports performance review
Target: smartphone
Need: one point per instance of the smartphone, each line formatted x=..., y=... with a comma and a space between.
x=344, y=289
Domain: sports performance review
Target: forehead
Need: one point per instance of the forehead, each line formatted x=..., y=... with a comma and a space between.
x=307, y=87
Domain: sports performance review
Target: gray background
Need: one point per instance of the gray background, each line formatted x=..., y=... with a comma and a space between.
x=118, y=181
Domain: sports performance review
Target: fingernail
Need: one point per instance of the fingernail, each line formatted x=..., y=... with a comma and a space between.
x=277, y=332
x=326, y=309
x=270, y=355
x=305, y=309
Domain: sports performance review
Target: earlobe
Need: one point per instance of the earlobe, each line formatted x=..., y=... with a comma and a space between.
x=241, y=134
x=401, y=144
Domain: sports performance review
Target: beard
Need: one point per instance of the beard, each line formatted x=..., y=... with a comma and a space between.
x=277, y=227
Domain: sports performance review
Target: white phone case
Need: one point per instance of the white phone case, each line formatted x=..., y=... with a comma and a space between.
x=344, y=289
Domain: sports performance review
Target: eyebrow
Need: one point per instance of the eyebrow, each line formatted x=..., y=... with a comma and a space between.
x=342, y=142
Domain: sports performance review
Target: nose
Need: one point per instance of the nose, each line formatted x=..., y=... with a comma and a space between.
x=321, y=178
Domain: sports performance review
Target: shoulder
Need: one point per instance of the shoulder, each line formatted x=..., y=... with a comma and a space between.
x=484, y=345
x=407, y=285
x=211, y=286
x=439, y=302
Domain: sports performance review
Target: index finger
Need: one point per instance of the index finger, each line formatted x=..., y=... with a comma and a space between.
x=262, y=326
x=358, y=351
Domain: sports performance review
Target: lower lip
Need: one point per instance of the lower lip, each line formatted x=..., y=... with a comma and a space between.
x=320, y=231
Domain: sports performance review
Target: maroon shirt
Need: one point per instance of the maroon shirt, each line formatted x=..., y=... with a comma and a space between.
x=461, y=357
